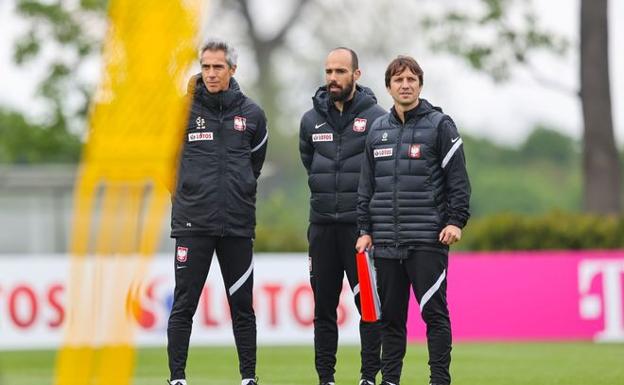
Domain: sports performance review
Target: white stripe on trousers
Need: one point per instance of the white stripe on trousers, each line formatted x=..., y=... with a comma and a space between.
x=237, y=285
x=432, y=290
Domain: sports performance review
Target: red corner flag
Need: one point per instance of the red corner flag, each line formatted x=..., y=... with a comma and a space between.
x=369, y=299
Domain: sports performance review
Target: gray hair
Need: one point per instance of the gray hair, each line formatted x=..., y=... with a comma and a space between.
x=231, y=56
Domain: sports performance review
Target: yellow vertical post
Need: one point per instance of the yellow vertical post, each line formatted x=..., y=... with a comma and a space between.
x=129, y=162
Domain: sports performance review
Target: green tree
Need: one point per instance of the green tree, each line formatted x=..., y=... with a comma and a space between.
x=490, y=40
x=67, y=34
x=549, y=144
x=26, y=143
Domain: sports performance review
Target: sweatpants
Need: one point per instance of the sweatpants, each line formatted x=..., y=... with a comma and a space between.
x=191, y=264
x=332, y=254
x=425, y=272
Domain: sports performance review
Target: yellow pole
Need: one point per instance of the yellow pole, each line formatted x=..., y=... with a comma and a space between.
x=129, y=162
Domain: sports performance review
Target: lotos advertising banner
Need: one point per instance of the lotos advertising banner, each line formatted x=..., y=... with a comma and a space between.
x=492, y=296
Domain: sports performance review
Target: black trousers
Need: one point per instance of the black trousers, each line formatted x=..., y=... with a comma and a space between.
x=425, y=272
x=191, y=264
x=332, y=254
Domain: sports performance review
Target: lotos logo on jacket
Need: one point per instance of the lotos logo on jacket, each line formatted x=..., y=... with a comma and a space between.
x=323, y=137
x=382, y=152
x=195, y=136
x=240, y=123
x=182, y=254
x=359, y=125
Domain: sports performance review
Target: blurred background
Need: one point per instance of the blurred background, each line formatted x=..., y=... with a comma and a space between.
x=535, y=87
x=508, y=71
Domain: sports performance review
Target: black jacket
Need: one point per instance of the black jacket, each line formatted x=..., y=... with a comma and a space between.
x=331, y=145
x=413, y=180
x=224, y=149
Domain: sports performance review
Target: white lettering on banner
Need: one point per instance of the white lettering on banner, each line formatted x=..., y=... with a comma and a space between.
x=323, y=137
x=195, y=136
x=382, y=152
x=609, y=304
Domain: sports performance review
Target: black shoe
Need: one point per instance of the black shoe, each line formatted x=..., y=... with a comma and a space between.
x=387, y=383
x=366, y=382
x=328, y=383
x=174, y=383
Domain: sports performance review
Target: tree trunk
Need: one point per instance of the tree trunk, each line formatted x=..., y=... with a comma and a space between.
x=601, y=167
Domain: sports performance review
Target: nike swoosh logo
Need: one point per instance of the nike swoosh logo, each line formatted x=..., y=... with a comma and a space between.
x=181, y=267
x=454, y=140
x=319, y=125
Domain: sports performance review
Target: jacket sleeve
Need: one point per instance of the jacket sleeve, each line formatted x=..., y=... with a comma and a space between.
x=366, y=188
x=259, y=145
x=306, y=150
x=455, y=175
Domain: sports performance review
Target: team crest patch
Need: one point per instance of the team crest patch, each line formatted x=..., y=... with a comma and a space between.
x=328, y=137
x=195, y=136
x=382, y=152
x=240, y=123
x=359, y=125
x=182, y=254
x=414, y=151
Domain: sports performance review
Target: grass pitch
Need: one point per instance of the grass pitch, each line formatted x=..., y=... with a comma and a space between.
x=473, y=364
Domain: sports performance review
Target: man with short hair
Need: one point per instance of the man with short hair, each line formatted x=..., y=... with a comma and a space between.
x=332, y=136
x=214, y=206
x=413, y=201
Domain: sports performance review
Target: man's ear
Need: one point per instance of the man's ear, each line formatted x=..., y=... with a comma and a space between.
x=233, y=69
x=356, y=74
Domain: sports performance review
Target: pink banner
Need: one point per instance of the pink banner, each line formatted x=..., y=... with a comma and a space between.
x=533, y=296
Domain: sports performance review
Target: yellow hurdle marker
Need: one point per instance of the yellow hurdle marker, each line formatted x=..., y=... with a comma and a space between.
x=128, y=168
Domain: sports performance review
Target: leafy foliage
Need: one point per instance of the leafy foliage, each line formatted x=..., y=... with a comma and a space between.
x=26, y=143
x=554, y=230
x=492, y=39
x=71, y=33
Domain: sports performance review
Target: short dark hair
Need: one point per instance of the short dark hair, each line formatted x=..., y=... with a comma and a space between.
x=220, y=45
x=354, y=57
x=399, y=64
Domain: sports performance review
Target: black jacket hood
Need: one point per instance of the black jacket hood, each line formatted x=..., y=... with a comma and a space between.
x=225, y=99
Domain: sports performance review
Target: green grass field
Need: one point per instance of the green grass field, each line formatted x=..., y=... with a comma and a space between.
x=473, y=364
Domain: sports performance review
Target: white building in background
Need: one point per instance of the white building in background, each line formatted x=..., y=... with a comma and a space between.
x=36, y=210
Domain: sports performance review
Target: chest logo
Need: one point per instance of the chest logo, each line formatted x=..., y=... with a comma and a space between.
x=195, y=136
x=414, y=151
x=200, y=123
x=382, y=152
x=359, y=125
x=240, y=123
x=384, y=137
x=323, y=137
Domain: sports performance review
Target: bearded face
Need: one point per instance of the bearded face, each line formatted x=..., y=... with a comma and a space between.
x=340, y=92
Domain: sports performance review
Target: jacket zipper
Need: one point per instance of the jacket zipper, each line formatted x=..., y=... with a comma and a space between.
x=222, y=160
x=339, y=148
x=395, y=186
x=337, y=173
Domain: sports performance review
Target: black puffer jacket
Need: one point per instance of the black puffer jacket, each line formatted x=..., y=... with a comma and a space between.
x=224, y=149
x=331, y=147
x=413, y=180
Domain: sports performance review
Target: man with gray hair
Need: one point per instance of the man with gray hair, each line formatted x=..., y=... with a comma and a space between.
x=214, y=206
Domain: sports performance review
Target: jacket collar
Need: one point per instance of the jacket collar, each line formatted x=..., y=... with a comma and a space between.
x=223, y=99
x=423, y=108
x=363, y=98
